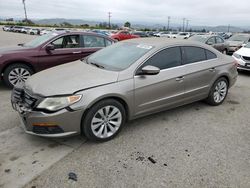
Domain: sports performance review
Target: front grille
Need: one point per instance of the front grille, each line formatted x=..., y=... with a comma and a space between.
x=19, y=95
x=246, y=58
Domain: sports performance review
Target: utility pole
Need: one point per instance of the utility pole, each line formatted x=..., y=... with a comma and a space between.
x=109, y=14
x=25, y=13
x=168, y=21
x=183, y=26
x=187, y=22
x=228, y=28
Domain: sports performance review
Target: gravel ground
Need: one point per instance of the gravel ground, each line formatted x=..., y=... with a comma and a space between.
x=192, y=146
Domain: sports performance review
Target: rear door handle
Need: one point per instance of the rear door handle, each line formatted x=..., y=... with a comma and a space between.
x=179, y=79
x=78, y=52
x=212, y=69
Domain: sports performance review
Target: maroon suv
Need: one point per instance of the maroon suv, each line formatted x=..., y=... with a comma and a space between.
x=18, y=63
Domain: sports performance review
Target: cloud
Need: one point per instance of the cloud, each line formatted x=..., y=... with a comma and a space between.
x=212, y=12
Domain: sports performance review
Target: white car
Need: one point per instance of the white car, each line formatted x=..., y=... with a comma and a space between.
x=163, y=34
x=242, y=56
x=45, y=31
x=33, y=31
x=183, y=35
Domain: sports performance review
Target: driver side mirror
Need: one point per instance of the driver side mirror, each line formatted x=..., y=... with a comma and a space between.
x=50, y=47
x=150, y=70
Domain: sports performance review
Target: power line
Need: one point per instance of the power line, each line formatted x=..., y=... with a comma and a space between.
x=183, y=26
x=25, y=13
x=109, y=14
x=168, y=21
x=187, y=22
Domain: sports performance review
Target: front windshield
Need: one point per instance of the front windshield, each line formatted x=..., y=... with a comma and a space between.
x=238, y=37
x=199, y=38
x=119, y=56
x=40, y=40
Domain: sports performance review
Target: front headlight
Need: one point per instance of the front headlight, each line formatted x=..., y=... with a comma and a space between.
x=57, y=103
x=236, y=55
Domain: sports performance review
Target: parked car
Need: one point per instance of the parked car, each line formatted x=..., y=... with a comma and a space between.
x=45, y=31
x=18, y=63
x=140, y=33
x=214, y=40
x=17, y=29
x=33, y=31
x=183, y=35
x=123, y=35
x=7, y=27
x=163, y=34
x=242, y=56
x=127, y=80
x=25, y=30
x=236, y=42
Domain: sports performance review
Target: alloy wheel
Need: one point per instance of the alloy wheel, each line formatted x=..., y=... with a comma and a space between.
x=106, y=122
x=220, y=91
x=18, y=75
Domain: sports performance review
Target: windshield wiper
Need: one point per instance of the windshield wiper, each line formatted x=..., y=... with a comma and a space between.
x=97, y=65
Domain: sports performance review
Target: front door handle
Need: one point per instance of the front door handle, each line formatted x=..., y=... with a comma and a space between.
x=78, y=52
x=212, y=69
x=180, y=79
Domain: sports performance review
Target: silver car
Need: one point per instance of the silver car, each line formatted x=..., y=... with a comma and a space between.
x=127, y=80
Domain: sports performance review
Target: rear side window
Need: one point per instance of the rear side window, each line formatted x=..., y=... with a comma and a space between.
x=219, y=40
x=93, y=41
x=194, y=54
x=210, y=55
x=167, y=58
x=108, y=42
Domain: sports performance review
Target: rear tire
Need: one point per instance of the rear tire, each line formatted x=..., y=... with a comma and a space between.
x=218, y=92
x=16, y=74
x=104, y=120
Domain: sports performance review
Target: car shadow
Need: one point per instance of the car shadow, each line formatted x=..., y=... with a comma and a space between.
x=3, y=87
x=244, y=73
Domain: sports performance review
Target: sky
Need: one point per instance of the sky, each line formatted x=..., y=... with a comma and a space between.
x=198, y=12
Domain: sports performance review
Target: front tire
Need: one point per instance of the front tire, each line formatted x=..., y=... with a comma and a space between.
x=218, y=92
x=104, y=120
x=16, y=74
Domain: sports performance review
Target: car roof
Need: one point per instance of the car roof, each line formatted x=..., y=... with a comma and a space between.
x=159, y=42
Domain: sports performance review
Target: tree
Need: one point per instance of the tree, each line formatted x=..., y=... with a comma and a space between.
x=127, y=24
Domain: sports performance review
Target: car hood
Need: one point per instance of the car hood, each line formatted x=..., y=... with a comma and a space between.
x=244, y=52
x=11, y=49
x=68, y=79
x=235, y=43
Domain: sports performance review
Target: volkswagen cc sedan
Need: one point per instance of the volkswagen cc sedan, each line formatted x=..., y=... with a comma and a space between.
x=127, y=80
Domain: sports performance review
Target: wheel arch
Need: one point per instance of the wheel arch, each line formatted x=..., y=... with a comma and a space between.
x=117, y=98
x=16, y=62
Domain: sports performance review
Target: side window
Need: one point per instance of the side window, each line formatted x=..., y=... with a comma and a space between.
x=108, y=42
x=69, y=41
x=167, y=58
x=211, y=40
x=194, y=54
x=219, y=40
x=93, y=41
x=210, y=55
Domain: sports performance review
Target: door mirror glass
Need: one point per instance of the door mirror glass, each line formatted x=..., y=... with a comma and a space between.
x=50, y=47
x=150, y=70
